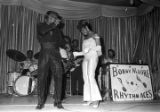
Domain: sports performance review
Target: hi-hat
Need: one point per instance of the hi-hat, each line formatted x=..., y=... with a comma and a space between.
x=16, y=55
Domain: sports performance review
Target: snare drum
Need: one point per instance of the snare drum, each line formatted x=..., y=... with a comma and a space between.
x=12, y=76
x=33, y=67
x=24, y=85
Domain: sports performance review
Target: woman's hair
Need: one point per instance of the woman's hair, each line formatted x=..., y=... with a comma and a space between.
x=82, y=24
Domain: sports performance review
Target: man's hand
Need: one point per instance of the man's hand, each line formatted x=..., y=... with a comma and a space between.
x=57, y=21
x=63, y=53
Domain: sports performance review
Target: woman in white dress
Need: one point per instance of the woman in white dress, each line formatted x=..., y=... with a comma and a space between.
x=91, y=49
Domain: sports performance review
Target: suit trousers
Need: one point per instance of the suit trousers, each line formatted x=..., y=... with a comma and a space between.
x=49, y=60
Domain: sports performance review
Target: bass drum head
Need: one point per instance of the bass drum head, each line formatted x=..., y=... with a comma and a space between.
x=24, y=85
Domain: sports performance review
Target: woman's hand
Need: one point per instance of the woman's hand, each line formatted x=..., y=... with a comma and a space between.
x=78, y=54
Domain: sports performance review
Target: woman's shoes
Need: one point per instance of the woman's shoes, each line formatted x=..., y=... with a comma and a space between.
x=95, y=104
x=87, y=103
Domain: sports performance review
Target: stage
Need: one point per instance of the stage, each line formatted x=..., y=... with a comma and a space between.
x=11, y=103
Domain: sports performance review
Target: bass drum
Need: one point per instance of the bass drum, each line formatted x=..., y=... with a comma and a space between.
x=24, y=85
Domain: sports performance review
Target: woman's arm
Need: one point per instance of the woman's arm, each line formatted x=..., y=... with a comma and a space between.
x=98, y=47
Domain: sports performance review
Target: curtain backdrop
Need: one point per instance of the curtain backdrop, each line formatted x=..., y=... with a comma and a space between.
x=132, y=38
x=79, y=10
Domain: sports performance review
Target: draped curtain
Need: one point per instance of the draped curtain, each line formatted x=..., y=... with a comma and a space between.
x=132, y=38
x=80, y=10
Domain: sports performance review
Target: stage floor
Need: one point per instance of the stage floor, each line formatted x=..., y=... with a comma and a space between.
x=10, y=103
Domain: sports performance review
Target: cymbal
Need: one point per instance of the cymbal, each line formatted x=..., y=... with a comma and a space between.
x=16, y=55
x=36, y=56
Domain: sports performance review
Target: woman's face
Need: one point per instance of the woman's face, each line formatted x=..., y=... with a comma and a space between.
x=84, y=31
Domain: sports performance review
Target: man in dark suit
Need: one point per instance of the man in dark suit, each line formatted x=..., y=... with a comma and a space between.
x=51, y=39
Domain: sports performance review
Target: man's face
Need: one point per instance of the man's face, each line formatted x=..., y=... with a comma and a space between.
x=75, y=44
x=68, y=47
x=111, y=54
x=30, y=54
x=52, y=18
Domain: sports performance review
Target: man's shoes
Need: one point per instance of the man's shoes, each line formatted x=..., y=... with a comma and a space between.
x=77, y=93
x=74, y=93
x=58, y=105
x=40, y=106
x=80, y=94
x=55, y=104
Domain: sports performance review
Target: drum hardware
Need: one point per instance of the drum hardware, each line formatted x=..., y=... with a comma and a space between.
x=12, y=76
x=34, y=74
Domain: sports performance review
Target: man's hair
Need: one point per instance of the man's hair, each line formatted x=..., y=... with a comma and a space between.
x=29, y=51
x=52, y=12
x=75, y=41
x=83, y=24
x=113, y=53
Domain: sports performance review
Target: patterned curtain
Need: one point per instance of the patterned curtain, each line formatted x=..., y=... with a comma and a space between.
x=132, y=38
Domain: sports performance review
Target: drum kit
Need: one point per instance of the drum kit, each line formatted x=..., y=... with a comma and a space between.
x=23, y=85
x=18, y=84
